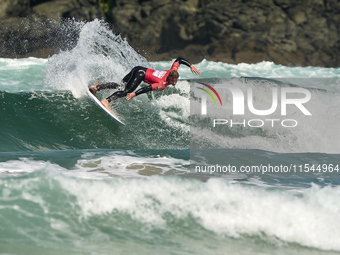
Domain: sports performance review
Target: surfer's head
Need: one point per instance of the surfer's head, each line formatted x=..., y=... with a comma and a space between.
x=173, y=77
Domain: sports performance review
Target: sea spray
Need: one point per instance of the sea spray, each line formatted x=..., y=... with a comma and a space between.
x=99, y=54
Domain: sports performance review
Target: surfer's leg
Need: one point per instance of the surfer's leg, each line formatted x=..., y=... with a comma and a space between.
x=134, y=78
x=116, y=95
x=106, y=104
x=108, y=85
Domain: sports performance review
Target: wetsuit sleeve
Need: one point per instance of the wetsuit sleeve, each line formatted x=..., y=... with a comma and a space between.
x=183, y=61
x=143, y=90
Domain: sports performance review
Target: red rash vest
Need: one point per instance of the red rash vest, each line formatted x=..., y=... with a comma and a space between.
x=157, y=79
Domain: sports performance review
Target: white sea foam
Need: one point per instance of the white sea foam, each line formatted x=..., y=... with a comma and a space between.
x=310, y=219
x=19, y=75
x=174, y=110
x=21, y=63
x=90, y=166
x=24, y=165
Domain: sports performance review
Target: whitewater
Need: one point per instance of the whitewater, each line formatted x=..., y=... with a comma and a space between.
x=72, y=181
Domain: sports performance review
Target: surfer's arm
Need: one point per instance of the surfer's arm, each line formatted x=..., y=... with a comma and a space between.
x=138, y=92
x=143, y=90
x=154, y=86
x=183, y=61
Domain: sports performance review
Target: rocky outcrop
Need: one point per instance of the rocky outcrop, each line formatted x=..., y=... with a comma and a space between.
x=304, y=32
x=52, y=9
x=287, y=32
x=35, y=27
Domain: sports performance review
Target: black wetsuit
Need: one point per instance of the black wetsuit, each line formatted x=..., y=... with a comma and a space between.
x=131, y=81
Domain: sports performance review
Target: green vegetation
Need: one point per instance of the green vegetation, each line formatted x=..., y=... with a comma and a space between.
x=106, y=7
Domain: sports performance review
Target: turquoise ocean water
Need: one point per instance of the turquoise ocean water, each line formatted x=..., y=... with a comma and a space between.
x=74, y=182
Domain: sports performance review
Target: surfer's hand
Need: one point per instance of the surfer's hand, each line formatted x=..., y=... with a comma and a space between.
x=194, y=70
x=130, y=96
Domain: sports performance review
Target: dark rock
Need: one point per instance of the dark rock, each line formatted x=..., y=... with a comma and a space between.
x=14, y=8
x=304, y=32
x=23, y=37
x=80, y=9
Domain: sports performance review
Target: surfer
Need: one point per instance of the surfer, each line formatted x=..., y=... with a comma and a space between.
x=158, y=80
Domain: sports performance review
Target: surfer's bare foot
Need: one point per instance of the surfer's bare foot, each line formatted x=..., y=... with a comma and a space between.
x=93, y=90
x=106, y=104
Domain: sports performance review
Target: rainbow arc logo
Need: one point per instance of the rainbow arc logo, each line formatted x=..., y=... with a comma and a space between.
x=209, y=93
x=204, y=101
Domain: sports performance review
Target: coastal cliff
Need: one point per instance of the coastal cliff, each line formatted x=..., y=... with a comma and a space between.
x=292, y=33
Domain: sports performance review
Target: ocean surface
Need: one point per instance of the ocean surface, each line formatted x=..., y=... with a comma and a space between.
x=72, y=181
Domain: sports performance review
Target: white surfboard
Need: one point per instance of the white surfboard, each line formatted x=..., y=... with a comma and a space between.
x=94, y=99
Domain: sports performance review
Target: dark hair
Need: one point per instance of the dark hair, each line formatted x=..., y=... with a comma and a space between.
x=173, y=74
